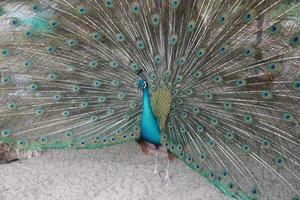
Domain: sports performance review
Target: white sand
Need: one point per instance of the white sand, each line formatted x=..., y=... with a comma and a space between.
x=121, y=172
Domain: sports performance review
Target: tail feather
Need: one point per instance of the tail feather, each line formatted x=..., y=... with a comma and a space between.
x=59, y=81
x=224, y=78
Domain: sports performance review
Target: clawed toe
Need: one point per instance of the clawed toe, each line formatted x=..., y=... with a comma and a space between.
x=167, y=179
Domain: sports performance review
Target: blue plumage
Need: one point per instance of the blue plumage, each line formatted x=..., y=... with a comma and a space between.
x=149, y=127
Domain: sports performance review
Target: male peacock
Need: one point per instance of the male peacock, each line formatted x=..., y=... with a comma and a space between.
x=220, y=82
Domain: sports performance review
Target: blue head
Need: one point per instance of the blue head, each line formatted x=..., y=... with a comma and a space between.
x=142, y=84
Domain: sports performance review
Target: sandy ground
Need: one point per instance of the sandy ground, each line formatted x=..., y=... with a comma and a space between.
x=120, y=172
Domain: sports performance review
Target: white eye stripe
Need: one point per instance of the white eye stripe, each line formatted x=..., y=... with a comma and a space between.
x=144, y=85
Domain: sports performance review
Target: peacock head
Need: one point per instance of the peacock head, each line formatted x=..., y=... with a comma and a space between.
x=142, y=84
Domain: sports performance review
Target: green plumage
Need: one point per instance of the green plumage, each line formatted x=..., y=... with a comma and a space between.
x=224, y=76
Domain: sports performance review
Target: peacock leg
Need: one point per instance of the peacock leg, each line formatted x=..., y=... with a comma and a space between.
x=170, y=157
x=167, y=176
x=156, y=157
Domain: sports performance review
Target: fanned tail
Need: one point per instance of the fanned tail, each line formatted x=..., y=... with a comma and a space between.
x=224, y=78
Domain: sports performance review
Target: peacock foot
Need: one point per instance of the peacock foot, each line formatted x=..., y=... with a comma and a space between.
x=167, y=178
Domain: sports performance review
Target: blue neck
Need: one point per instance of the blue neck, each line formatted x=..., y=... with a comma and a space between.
x=149, y=128
x=146, y=102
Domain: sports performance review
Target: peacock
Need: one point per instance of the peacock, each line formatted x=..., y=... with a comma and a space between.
x=214, y=83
